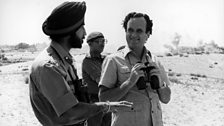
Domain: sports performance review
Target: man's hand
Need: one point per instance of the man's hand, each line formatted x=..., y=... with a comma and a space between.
x=113, y=106
x=136, y=73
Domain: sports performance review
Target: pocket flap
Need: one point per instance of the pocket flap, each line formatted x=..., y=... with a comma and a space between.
x=125, y=69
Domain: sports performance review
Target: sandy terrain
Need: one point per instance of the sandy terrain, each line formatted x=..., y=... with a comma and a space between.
x=197, y=100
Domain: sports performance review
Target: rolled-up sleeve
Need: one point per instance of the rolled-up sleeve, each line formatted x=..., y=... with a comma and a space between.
x=55, y=88
x=109, y=73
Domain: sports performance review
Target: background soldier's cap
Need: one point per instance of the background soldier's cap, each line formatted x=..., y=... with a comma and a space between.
x=93, y=36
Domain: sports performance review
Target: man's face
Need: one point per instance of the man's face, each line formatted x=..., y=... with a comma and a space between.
x=76, y=39
x=98, y=45
x=136, y=35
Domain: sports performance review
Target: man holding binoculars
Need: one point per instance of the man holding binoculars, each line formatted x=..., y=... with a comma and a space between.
x=134, y=75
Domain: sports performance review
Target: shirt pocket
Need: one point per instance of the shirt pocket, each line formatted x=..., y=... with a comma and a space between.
x=123, y=74
x=124, y=70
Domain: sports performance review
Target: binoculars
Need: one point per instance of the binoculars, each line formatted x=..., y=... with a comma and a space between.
x=150, y=77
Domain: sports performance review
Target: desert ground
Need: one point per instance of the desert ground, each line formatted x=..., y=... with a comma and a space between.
x=197, y=92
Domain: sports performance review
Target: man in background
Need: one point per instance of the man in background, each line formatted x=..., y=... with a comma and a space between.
x=91, y=70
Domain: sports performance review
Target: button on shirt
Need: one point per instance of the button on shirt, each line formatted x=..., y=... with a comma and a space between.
x=50, y=92
x=146, y=109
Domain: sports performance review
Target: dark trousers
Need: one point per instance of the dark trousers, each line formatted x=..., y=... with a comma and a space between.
x=101, y=119
x=106, y=121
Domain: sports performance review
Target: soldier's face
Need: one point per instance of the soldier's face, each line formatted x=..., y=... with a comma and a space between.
x=77, y=38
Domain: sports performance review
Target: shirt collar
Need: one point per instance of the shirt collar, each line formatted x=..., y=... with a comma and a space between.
x=62, y=53
x=127, y=51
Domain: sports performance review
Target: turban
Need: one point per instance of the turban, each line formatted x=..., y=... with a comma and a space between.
x=65, y=18
x=93, y=36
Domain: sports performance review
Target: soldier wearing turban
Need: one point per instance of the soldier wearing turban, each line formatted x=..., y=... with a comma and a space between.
x=57, y=95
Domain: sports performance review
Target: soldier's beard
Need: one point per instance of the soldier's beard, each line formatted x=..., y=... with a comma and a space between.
x=75, y=41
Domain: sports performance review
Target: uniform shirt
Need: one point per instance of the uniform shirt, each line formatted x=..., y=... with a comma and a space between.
x=91, y=70
x=51, y=92
x=146, y=109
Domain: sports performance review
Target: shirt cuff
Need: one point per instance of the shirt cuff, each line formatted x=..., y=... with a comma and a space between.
x=164, y=85
x=64, y=103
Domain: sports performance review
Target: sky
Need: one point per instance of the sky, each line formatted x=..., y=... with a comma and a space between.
x=194, y=20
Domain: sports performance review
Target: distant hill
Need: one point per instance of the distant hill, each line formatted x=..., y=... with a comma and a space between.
x=83, y=50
